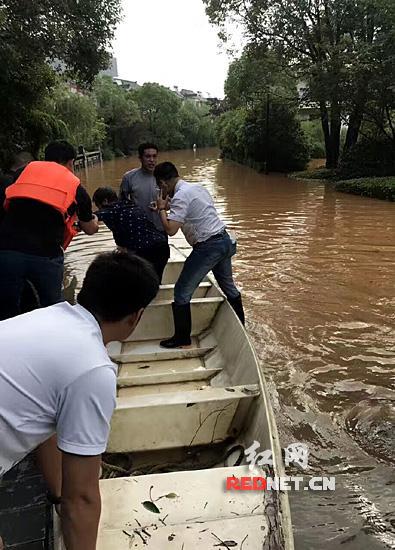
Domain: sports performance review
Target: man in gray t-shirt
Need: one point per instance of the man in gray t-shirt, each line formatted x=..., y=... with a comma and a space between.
x=140, y=184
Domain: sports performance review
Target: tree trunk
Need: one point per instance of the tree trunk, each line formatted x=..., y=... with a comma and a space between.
x=335, y=133
x=331, y=133
x=354, y=125
x=326, y=131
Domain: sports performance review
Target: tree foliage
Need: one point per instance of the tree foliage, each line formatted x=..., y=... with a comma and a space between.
x=34, y=36
x=159, y=108
x=257, y=86
x=339, y=47
x=78, y=117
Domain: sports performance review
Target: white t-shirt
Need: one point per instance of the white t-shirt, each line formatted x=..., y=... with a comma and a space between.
x=55, y=376
x=193, y=206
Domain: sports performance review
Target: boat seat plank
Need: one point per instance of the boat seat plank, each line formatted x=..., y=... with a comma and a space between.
x=177, y=419
x=166, y=292
x=156, y=536
x=198, y=507
x=170, y=387
x=165, y=372
x=157, y=319
x=199, y=499
x=138, y=352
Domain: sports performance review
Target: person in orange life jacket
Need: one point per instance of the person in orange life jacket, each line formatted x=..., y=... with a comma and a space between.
x=41, y=209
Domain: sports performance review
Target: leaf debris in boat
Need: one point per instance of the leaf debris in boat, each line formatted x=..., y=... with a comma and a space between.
x=144, y=367
x=170, y=538
x=151, y=506
x=225, y=543
x=243, y=541
x=190, y=404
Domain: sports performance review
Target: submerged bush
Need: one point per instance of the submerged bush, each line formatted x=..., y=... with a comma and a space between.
x=379, y=188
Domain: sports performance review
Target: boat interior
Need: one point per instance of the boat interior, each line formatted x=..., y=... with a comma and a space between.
x=182, y=421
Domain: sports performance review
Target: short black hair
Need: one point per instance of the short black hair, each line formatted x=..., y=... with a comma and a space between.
x=144, y=146
x=117, y=284
x=104, y=194
x=60, y=152
x=165, y=171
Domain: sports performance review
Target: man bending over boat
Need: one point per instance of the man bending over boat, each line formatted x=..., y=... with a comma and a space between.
x=131, y=228
x=58, y=386
x=192, y=209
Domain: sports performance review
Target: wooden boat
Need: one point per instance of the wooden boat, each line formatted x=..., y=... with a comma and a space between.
x=182, y=420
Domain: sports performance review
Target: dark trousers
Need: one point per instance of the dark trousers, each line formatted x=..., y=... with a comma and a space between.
x=45, y=274
x=157, y=255
x=212, y=255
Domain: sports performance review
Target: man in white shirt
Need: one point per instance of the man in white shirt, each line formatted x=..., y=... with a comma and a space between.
x=192, y=209
x=58, y=386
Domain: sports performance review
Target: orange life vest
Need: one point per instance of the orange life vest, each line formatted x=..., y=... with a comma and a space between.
x=52, y=184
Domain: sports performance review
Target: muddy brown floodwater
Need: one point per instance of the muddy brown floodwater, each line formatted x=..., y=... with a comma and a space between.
x=317, y=271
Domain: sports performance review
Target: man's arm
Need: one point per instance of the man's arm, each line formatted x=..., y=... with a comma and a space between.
x=87, y=220
x=171, y=227
x=81, y=503
x=125, y=188
x=83, y=424
x=90, y=228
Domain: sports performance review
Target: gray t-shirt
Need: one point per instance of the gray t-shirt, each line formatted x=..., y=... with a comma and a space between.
x=55, y=376
x=141, y=187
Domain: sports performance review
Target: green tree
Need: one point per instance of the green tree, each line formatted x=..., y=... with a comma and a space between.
x=160, y=109
x=32, y=36
x=116, y=107
x=196, y=125
x=257, y=86
x=79, y=117
x=332, y=44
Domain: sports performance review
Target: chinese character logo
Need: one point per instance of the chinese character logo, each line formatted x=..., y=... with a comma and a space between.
x=297, y=454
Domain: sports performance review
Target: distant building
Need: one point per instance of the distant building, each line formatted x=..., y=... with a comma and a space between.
x=112, y=69
x=308, y=110
x=190, y=95
x=126, y=84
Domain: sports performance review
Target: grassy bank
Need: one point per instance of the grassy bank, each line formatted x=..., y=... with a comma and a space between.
x=377, y=188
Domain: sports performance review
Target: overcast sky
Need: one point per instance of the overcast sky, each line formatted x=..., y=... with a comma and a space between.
x=170, y=42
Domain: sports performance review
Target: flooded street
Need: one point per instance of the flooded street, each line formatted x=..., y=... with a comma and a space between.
x=317, y=272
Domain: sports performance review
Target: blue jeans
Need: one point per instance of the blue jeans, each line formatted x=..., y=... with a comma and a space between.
x=212, y=255
x=45, y=274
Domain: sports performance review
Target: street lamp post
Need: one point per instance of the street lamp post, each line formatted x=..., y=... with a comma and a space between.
x=267, y=133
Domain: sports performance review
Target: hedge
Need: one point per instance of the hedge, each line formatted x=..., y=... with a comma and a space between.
x=378, y=188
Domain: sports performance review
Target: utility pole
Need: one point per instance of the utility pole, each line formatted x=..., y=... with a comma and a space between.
x=267, y=132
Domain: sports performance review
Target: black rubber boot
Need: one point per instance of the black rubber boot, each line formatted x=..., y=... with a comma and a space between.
x=237, y=305
x=182, y=327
